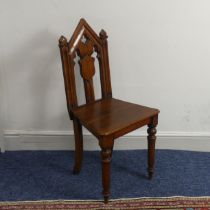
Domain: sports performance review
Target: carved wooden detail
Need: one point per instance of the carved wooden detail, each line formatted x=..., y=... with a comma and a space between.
x=87, y=67
x=84, y=42
x=152, y=131
x=106, y=155
x=85, y=50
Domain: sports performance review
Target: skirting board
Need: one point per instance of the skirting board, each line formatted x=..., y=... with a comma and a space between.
x=62, y=140
x=2, y=144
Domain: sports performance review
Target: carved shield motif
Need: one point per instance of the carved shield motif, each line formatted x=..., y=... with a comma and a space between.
x=87, y=67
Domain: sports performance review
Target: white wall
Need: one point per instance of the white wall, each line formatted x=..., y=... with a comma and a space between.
x=159, y=56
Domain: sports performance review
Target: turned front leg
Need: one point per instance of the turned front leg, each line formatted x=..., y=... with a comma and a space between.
x=106, y=159
x=151, y=146
x=106, y=156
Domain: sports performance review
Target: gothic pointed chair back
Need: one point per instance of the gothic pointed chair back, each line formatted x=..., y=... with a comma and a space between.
x=84, y=43
x=107, y=118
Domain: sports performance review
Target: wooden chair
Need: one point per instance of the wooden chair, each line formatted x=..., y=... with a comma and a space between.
x=107, y=118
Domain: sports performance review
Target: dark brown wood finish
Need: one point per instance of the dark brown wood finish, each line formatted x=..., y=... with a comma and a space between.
x=106, y=118
x=151, y=144
x=78, y=146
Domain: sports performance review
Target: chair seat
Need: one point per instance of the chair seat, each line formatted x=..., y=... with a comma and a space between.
x=113, y=117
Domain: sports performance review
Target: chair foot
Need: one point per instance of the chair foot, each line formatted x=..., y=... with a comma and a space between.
x=76, y=171
x=150, y=173
x=106, y=199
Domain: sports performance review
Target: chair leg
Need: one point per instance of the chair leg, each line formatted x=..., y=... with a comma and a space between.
x=112, y=150
x=151, y=146
x=106, y=156
x=78, y=146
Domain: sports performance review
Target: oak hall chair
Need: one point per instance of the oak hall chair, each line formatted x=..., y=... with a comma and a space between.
x=107, y=118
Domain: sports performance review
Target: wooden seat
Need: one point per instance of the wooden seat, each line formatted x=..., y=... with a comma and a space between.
x=113, y=117
x=106, y=118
